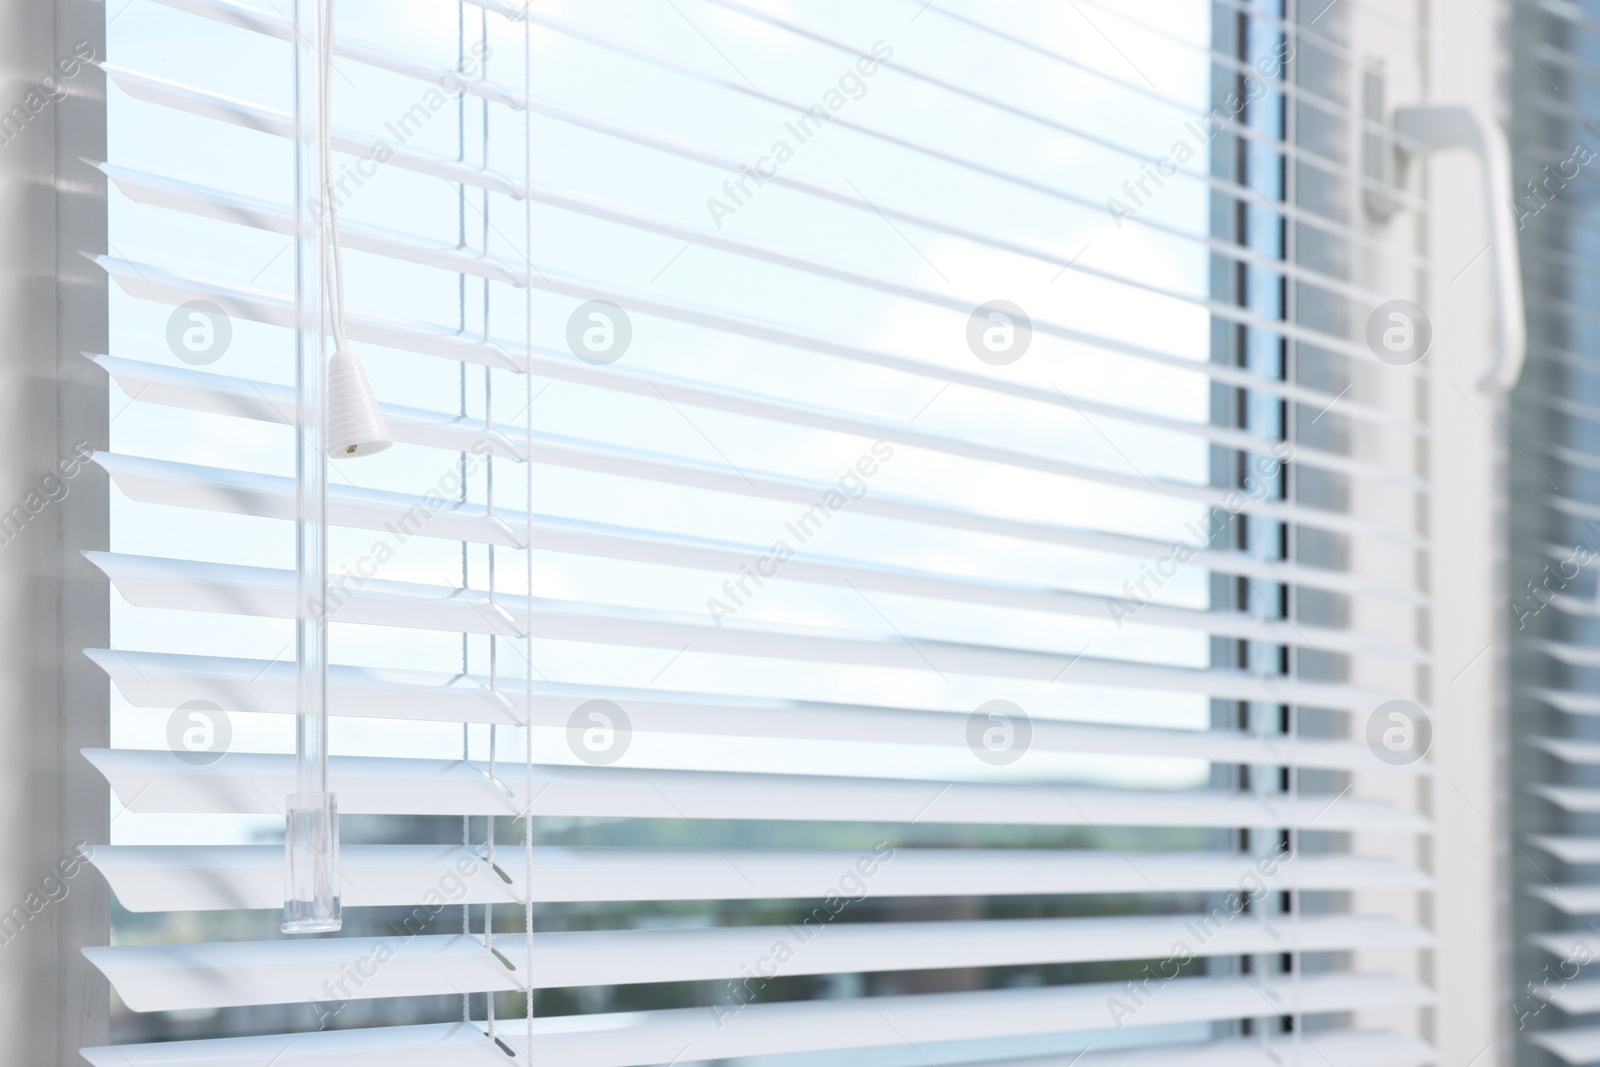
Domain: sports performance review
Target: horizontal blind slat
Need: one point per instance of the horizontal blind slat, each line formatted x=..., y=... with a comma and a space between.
x=166, y=680
x=255, y=20
x=190, y=585
x=1576, y=1045
x=639, y=1038
x=1568, y=848
x=203, y=104
x=212, y=203
x=1569, y=899
x=466, y=1045
x=1305, y=274
x=272, y=496
x=147, y=282
x=158, y=780
x=229, y=207
x=210, y=975
x=226, y=877
x=1568, y=798
x=238, y=973
x=1290, y=210
x=243, y=398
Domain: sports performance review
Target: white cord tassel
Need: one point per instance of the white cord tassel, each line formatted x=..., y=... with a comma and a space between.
x=356, y=426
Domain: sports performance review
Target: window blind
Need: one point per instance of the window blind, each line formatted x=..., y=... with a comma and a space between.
x=878, y=562
x=1550, y=602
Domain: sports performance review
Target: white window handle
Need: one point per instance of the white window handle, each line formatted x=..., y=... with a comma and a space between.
x=1431, y=127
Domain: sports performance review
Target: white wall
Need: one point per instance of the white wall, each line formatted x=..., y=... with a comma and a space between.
x=52, y=307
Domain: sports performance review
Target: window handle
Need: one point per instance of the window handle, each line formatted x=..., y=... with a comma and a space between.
x=1434, y=127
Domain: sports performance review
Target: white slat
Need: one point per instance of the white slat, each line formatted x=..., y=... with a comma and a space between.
x=468, y=1046
x=1572, y=849
x=274, y=25
x=151, y=780
x=271, y=496
x=789, y=105
x=1576, y=1045
x=234, y=973
x=1568, y=798
x=1565, y=943
x=197, y=390
x=215, y=877
x=242, y=113
x=639, y=1038
x=1569, y=899
x=1570, y=654
x=268, y=120
x=148, y=282
x=192, y=585
x=165, y=680
x=145, y=281
x=261, y=214
x=1569, y=701
x=1573, y=998
x=1288, y=390
x=159, y=191
x=1335, y=1048
x=1567, y=750
x=410, y=963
